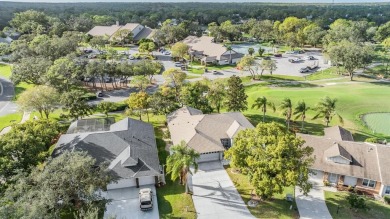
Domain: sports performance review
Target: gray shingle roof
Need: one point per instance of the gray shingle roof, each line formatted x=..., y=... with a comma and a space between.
x=338, y=150
x=129, y=146
x=369, y=161
x=338, y=133
x=202, y=132
x=205, y=45
x=145, y=33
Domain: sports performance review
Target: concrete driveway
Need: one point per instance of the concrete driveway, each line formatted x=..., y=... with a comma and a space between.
x=313, y=205
x=125, y=204
x=214, y=194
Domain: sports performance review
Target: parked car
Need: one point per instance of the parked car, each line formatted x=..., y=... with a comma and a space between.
x=214, y=72
x=99, y=94
x=300, y=51
x=146, y=199
x=107, y=80
x=267, y=58
x=131, y=57
x=289, y=52
x=309, y=58
x=304, y=70
x=278, y=55
x=177, y=64
x=88, y=50
x=167, y=53
x=92, y=56
x=294, y=60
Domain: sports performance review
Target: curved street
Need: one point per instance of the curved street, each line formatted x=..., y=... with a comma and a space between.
x=7, y=92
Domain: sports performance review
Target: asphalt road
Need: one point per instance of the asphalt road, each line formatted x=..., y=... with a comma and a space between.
x=6, y=94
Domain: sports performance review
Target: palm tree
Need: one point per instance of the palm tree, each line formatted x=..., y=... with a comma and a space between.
x=229, y=48
x=180, y=161
x=286, y=106
x=271, y=66
x=326, y=108
x=300, y=111
x=262, y=103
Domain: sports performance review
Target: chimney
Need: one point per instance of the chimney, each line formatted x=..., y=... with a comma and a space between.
x=117, y=23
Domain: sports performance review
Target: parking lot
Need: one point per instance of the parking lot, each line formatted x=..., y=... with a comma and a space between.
x=284, y=67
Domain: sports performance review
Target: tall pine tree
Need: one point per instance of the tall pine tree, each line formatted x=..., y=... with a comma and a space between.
x=236, y=97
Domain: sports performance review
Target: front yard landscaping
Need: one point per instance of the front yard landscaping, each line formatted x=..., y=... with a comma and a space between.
x=171, y=198
x=339, y=207
x=277, y=207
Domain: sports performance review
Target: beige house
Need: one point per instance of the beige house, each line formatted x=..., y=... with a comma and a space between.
x=207, y=51
x=139, y=31
x=208, y=134
x=341, y=161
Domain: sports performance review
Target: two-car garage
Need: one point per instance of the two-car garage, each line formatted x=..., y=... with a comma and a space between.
x=132, y=182
x=212, y=156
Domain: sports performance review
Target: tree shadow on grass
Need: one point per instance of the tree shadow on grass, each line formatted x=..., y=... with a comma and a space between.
x=381, y=83
x=309, y=128
x=164, y=205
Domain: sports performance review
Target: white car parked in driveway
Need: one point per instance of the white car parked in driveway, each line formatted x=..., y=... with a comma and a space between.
x=145, y=199
x=125, y=204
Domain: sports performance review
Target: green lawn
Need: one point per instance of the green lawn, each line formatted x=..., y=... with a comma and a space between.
x=192, y=76
x=335, y=200
x=5, y=71
x=324, y=74
x=10, y=119
x=379, y=71
x=354, y=100
x=378, y=122
x=277, y=207
x=19, y=88
x=198, y=71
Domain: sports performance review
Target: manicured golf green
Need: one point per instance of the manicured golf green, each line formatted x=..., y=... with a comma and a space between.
x=354, y=100
x=378, y=122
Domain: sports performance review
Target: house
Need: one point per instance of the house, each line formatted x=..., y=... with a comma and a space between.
x=128, y=146
x=139, y=31
x=341, y=161
x=208, y=134
x=207, y=51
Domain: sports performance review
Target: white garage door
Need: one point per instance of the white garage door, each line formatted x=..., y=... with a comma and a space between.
x=235, y=60
x=317, y=175
x=123, y=183
x=146, y=180
x=209, y=157
x=350, y=181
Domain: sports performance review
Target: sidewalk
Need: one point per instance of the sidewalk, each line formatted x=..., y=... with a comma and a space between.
x=26, y=117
